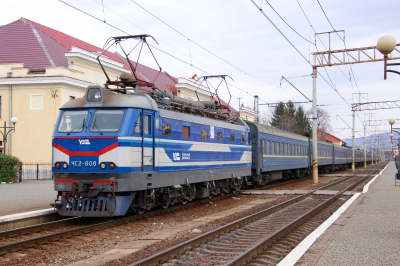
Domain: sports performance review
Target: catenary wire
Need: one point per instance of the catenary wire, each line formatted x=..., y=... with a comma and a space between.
x=287, y=23
x=200, y=45
x=155, y=47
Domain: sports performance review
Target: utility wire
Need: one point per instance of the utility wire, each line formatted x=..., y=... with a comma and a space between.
x=286, y=22
x=265, y=15
x=157, y=48
x=351, y=69
x=205, y=49
x=331, y=85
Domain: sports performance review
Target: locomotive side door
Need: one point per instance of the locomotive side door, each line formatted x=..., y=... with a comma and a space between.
x=148, y=144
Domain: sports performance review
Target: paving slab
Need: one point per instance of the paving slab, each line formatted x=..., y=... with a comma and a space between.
x=367, y=233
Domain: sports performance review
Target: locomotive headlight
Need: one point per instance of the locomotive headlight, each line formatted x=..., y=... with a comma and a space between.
x=112, y=165
x=58, y=165
x=103, y=166
x=65, y=165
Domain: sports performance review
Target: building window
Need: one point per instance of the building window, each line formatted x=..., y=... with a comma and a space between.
x=185, y=132
x=166, y=130
x=204, y=134
x=232, y=137
x=36, y=101
x=219, y=136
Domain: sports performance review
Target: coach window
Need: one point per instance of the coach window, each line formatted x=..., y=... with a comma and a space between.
x=185, y=132
x=232, y=137
x=241, y=138
x=219, y=136
x=166, y=130
x=273, y=148
x=287, y=149
x=278, y=145
x=283, y=149
x=264, y=146
x=268, y=147
x=204, y=134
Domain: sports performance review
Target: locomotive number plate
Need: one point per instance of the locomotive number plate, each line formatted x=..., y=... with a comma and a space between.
x=83, y=163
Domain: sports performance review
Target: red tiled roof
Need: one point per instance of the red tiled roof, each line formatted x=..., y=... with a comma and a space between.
x=69, y=41
x=21, y=46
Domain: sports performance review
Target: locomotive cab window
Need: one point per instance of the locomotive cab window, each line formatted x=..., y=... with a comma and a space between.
x=204, y=134
x=72, y=121
x=106, y=121
x=219, y=136
x=147, y=125
x=242, y=139
x=232, y=137
x=185, y=132
x=166, y=130
x=138, y=126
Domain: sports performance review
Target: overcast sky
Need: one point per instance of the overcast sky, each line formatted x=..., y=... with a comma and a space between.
x=244, y=44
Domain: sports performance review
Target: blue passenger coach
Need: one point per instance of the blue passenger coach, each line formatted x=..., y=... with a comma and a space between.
x=277, y=154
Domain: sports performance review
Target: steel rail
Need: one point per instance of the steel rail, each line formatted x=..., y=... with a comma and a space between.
x=180, y=249
x=35, y=228
x=264, y=244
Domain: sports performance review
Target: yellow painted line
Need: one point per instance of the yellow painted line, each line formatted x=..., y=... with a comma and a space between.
x=281, y=156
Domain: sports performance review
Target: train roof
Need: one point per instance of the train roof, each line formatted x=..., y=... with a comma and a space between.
x=277, y=132
x=107, y=98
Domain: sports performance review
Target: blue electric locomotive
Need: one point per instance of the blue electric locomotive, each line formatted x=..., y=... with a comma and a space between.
x=118, y=153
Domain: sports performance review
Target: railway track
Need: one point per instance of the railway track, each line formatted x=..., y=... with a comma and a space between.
x=69, y=228
x=262, y=238
x=33, y=236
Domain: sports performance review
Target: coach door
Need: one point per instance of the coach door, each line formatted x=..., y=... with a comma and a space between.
x=148, y=143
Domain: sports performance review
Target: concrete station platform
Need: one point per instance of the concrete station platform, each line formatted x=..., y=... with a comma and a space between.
x=24, y=200
x=364, y=231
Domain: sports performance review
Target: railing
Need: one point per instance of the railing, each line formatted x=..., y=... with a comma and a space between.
x=36, y=171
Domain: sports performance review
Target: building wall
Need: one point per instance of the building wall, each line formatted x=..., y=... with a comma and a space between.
x=31, y=141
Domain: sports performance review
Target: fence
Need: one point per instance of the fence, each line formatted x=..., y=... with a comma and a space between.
x=38, y=171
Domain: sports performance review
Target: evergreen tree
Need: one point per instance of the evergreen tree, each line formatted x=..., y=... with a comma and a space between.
x=290, y=118
x=277, y=116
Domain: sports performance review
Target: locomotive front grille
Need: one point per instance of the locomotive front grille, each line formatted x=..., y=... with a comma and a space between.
x=87, y=208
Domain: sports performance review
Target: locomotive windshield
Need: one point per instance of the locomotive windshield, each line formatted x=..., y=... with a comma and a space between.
x=106, y=121
x=72, y=121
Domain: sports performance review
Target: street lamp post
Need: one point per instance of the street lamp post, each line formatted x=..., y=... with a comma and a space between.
x=392, y=121
x=5, y=133
x=386, y=45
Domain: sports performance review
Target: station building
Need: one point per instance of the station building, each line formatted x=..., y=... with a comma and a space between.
x=41, y=69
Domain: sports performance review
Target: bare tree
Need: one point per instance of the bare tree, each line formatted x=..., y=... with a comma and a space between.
x=323, y=120
x=265, y=117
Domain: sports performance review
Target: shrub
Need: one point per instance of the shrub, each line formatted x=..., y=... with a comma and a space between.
x=8, y=168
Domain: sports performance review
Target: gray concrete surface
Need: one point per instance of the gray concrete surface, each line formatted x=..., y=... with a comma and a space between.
x=371, y=234
x=29, y=195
